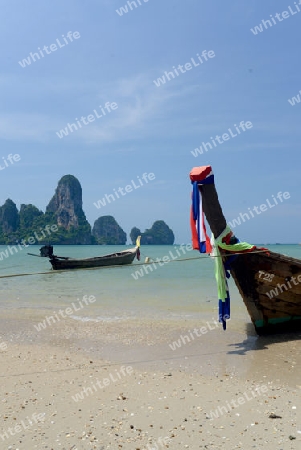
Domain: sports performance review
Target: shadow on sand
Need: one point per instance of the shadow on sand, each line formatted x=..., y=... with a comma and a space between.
x=255, y=342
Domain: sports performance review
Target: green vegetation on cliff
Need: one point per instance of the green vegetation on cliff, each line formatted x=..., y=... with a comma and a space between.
x=158, y=234
x=9, y=217
x=107, y=231
x=9, y=221
x=66, y=206
x=65, y=211
x=135, y=232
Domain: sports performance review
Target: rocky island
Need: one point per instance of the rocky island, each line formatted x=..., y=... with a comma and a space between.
x=107, y=231
x=65, y=214
x=158, y=234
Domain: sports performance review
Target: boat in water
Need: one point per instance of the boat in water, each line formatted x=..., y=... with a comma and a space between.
x=269, y=282
x=113, y=259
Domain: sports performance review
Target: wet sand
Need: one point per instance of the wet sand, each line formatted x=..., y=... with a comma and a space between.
x=92, y=385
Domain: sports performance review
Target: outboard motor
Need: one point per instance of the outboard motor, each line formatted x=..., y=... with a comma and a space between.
x=46, y=251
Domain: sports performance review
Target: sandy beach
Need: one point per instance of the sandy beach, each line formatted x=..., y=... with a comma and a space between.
x=149, y=185
x=88, y=385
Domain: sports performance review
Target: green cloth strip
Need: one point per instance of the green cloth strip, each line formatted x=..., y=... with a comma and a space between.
x=220, y=274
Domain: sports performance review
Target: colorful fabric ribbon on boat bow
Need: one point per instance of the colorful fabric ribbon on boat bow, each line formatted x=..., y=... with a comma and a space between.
x=138, y=247
x=200, y=239
x=224, y=241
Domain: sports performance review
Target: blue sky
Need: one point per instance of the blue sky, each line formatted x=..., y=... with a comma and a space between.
x=116, y=59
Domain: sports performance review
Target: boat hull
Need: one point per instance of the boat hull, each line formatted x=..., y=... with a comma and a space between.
x=257, y=274
x=115, y=259
x=270, y=285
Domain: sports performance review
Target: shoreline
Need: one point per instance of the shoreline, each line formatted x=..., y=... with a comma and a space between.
x=149, y=341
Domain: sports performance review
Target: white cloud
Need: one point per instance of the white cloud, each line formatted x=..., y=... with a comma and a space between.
x=140, y=104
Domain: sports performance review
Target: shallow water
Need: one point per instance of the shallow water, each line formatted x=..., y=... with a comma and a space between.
x=176, y=289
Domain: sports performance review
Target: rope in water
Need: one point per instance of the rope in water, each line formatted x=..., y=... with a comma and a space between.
x=129, y=265
x=201, y=257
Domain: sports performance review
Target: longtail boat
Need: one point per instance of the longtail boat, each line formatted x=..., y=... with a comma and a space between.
x=113, y=259
x=269, y=283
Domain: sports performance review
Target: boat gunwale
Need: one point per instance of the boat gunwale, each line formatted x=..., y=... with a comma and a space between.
x=95, y=258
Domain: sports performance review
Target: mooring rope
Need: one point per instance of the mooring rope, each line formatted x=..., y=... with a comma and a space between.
x=201, y=257
x=128, y=265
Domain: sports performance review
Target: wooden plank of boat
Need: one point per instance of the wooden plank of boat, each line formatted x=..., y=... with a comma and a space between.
x=254, y=273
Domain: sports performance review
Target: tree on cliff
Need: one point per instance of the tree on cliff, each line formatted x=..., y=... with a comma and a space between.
x=15, y=225
x=28, y=215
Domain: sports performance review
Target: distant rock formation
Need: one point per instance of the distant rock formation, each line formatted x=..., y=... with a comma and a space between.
x=65, y=211
x=9, y=217
x=28, y=215
x=135, y=232
x=158, y=234
x=107, y=231
x=66, y=207
x=66, y=204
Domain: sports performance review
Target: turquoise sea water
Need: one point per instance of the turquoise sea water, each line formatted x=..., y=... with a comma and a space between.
x=176, y=289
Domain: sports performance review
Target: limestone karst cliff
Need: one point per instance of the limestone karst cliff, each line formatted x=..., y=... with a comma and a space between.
x=65, y=210
x=9, y=217
x=107, y=231
x=66, y=207
x=158, y=234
